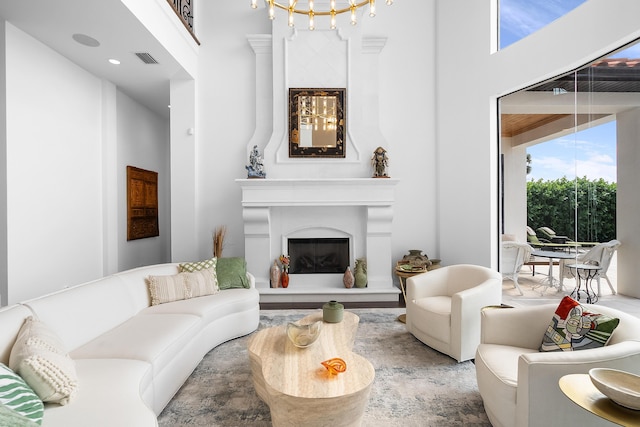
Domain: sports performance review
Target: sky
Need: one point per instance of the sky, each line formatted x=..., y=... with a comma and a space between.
x=590, y=153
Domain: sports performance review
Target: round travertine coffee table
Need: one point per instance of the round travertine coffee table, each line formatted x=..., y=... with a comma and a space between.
x=298, y=389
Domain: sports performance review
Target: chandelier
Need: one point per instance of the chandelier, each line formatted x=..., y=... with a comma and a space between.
x=311, y=12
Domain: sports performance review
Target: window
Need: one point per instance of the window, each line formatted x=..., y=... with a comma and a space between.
x=519, y=18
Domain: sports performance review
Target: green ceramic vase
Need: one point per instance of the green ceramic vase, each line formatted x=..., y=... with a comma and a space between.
x=332, y=312
x=361, y=273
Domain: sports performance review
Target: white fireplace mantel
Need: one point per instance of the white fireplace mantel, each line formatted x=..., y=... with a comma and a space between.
x=361, y=208
x=318, y=192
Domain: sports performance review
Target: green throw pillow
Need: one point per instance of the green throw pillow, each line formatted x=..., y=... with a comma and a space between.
x=232, y=273
x=574, y=328
x=19, y=404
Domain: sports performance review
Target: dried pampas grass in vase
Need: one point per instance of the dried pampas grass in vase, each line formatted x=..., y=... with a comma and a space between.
x=218, y=241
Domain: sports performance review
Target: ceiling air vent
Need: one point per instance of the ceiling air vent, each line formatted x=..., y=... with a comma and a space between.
x=146, y=58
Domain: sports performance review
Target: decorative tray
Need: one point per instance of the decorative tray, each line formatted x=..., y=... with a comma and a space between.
x=410, y=268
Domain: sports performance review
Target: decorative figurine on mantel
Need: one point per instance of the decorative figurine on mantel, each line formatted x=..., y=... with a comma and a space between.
x=255, y=168
x=380, y=162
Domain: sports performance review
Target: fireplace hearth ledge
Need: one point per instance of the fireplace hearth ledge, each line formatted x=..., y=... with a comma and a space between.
x=324, y=294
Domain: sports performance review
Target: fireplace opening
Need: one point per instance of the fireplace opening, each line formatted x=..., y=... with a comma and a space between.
x=316, y=256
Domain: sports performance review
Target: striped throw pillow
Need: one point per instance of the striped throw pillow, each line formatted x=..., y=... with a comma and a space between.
x=18, y=398
x=165, y=289
x=202, y=282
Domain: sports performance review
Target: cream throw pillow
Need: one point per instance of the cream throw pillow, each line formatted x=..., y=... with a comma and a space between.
x=167, y=288
x=203, y=282
x=38, y=356
x=181, y=286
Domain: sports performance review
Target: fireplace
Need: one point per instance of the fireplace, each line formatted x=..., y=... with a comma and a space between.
x=336, y=220
x=318, y=255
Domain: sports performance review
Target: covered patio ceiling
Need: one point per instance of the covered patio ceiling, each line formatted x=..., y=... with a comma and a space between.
x=534, y=112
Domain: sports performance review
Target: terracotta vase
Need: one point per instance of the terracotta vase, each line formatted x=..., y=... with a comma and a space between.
x=275, y=275
x=348, y=278
x=284, y=279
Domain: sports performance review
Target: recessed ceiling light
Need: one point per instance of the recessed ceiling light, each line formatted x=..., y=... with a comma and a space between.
x=84, y=39
x=114, y=61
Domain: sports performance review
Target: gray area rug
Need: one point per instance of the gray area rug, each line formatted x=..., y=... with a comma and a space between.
x=414, y=385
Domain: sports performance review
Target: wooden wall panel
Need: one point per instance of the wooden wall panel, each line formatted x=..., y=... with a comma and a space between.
x=142, y=203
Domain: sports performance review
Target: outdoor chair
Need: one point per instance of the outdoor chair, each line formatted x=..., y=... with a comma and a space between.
x=599, y=255
x=514, y=255
x=542, y=243
x=550, y=235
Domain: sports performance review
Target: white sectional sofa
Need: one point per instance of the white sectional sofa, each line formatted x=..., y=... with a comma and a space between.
x=130, y=357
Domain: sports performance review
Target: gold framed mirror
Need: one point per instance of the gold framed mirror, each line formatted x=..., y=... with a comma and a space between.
x=316, y=122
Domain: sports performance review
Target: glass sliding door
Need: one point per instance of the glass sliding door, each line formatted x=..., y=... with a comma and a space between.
x=560, y=142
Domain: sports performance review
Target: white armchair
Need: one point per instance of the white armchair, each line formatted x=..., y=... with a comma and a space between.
x=519, y=384
x=444, y=305
x=514, y=255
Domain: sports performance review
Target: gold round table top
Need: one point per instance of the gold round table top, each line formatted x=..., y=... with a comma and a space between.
x=580, y=389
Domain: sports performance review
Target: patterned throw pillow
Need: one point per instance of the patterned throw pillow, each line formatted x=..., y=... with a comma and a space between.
x=232, y=273
x=38, y=356
x=11, y=418
x=574, y=328
x=198, y=265
x=18, y=400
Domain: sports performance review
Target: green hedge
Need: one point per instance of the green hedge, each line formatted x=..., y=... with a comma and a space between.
x=553, y=204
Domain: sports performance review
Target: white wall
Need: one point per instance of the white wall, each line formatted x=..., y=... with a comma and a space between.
x=226, y=114
x=143, y=142
x=515, y=189
x=184, y=171
x=3, y=170
x=470, y=78
x=54, y=170
x=68, y=137
x=628, y=201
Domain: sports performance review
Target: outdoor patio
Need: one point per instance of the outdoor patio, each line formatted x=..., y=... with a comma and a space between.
x=536, y=290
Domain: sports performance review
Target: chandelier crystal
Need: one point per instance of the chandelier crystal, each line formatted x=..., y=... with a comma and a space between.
x=311, y=12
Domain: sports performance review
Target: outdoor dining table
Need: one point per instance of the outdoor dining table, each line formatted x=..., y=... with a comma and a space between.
x=559, y=255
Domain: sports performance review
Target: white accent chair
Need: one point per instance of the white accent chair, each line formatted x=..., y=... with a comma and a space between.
x=514, y=255
x=444, y=305
x=600, y=255
x=519, y=384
